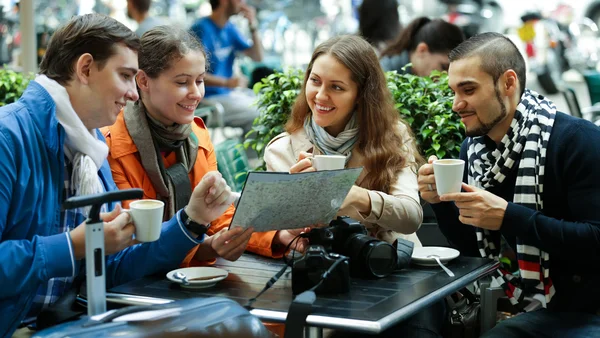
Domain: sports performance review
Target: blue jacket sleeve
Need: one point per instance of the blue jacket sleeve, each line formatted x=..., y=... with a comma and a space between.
x=460, y=235
x=148, y=258
x=577, y=235
x=26, y=263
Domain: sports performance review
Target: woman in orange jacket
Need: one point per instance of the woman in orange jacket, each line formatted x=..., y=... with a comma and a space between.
x=159, y=146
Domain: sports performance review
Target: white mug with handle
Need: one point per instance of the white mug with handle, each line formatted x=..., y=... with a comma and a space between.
x=328, y=162
x=448, y=175
x=147, y=217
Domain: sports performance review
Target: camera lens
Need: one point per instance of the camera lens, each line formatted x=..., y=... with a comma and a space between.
x=370, y=256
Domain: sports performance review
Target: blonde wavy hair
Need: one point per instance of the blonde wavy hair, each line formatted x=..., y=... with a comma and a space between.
x=384, y=145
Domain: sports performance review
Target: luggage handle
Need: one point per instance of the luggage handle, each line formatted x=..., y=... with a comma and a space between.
x=128, y=310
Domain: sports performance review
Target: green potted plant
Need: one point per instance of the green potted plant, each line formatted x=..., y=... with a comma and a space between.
x=12, y=85
x=424, y=102
x=276, y=96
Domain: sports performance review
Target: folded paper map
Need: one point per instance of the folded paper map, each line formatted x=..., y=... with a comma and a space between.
x=277, y=201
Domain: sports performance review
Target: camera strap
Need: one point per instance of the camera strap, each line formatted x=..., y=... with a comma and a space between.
x=270, y=283
x=276, y=277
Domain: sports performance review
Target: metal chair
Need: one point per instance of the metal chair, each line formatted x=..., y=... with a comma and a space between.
x=213, y=116
x=572, y=101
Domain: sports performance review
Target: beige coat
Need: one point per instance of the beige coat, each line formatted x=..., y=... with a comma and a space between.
x=393, y=215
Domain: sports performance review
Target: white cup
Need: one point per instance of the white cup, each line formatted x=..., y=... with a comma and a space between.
x=328, y=162
x=147, y=217
x=448, y=175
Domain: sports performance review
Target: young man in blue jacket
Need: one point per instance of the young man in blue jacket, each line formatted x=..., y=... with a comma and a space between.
x=530, y=188
x=51, y=150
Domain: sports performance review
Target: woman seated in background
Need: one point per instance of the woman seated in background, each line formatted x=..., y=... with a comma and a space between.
x=159, y=146
x=345, y=108
x=425, y=44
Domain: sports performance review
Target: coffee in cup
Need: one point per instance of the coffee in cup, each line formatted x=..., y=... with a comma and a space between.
x=147, y=218
x=448, y=175
x=328, y=162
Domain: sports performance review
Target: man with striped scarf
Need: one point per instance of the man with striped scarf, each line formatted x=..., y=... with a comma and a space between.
x=530, y=188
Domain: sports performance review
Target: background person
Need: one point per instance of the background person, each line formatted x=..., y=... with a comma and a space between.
x=424, y=43
x=222, y=41
x=139, y=10
x=379, y=22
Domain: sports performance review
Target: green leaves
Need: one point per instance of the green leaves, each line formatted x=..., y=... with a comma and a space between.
x=424, y=102
x=276, y=96
x=12, y=85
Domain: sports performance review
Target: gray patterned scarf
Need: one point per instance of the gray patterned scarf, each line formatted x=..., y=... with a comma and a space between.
x=330, y=145
x=148, y=134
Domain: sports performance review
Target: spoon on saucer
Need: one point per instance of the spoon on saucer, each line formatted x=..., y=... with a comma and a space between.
x=182, y=277
x=186, y=281
x=437, y=259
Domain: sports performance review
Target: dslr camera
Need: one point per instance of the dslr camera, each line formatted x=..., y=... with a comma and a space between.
x=308, y=271
x=369, y=256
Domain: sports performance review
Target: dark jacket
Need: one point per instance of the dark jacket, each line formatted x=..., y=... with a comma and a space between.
x=568, y=228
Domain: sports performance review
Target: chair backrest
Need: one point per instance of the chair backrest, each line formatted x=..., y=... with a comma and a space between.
x=203, y=113
x=592, y=79
x=572, y=102
x=232, y=163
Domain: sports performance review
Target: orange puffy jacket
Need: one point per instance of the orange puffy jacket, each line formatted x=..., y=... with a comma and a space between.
x=128, y=172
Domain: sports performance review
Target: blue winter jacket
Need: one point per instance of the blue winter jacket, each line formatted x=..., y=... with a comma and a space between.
x=31, y=187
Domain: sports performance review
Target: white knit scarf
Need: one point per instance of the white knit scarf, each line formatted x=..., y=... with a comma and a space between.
x=82, y=146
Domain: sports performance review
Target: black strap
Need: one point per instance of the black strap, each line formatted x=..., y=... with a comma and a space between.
x=180, y=179
x=296, y=317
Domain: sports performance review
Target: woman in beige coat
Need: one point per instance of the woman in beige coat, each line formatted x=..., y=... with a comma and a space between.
x=345, y=108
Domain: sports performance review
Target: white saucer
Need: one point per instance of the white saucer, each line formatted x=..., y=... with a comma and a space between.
x=421, y=255
x=201, y=271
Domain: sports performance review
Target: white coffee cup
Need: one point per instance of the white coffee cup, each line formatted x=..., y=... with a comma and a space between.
x=448, y=175
x=328, y=162
x=147, y=217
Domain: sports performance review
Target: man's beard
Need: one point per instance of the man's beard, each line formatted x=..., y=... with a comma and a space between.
x=486, y=127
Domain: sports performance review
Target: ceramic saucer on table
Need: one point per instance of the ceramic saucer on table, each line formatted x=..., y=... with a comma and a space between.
x=195, y=276
x=424, y=255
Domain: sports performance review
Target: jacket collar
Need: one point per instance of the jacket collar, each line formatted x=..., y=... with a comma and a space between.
x=119, y=134
x=42, y=109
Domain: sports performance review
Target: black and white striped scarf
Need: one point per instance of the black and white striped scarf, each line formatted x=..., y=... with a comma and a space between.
x=341, y=144
x=525, y=142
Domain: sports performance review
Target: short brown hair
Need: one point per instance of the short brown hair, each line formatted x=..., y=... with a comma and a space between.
x=95, y=34
x=498, y=54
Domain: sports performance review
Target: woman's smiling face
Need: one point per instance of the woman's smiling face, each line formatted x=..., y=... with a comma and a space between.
x=331, y=94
